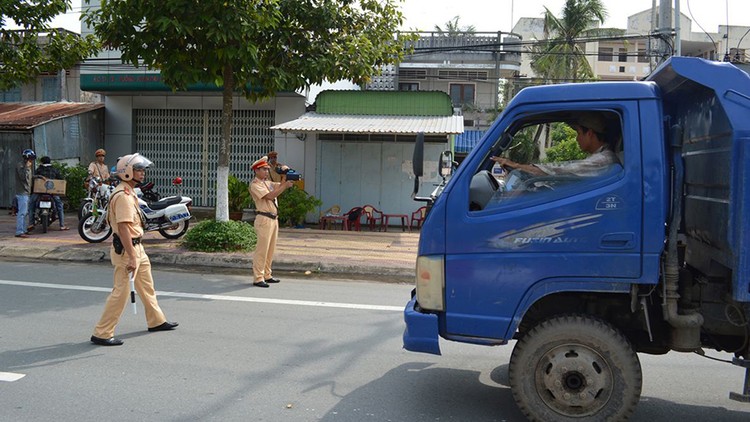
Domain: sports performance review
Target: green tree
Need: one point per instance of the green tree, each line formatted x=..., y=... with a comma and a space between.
x=561, y=55
x=453, y=29
x=256, y=47
x=35, y=47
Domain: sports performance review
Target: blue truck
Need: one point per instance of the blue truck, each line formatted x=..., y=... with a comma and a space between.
x=646, y=252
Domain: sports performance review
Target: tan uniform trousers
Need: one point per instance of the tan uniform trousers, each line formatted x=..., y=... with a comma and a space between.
x=267, y=231
x=120, y=296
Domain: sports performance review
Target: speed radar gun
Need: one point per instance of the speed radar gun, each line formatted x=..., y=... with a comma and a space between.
x=132, y=292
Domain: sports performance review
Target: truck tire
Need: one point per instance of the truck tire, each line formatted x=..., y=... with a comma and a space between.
x=575, y=368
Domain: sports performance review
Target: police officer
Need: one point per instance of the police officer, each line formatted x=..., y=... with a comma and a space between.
x=264, y=193
x=127, y=255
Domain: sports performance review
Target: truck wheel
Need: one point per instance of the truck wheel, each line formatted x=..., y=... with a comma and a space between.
x=575, y=368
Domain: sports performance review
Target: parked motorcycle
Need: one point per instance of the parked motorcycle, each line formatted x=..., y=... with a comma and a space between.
x=169, y=216
x=99, y=192
x=97, y=196
x=44, y=211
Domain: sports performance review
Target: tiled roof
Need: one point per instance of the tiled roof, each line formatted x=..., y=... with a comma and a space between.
x=24, y=116
x=384, y=103
x=397, y=125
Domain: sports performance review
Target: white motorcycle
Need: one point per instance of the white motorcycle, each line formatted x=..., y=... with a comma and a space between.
x=169, y=216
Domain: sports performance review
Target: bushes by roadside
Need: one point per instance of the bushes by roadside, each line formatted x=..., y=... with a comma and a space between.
x=220, y=236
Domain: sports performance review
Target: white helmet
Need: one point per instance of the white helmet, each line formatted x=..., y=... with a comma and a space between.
x=130, y=162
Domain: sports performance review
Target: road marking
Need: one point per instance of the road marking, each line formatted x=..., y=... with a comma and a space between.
x=10, y=376
x=214, y=297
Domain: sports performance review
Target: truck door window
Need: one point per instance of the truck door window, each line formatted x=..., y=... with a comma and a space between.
x=548, y=156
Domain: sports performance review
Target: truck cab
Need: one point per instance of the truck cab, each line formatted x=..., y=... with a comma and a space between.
x=586, y=265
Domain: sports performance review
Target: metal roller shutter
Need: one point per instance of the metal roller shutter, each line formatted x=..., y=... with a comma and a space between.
x=185, y=143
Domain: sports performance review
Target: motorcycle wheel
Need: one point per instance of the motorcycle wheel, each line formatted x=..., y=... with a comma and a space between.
x=45, y=222
x=176, y=231
x=87, y=232
x=86, y=207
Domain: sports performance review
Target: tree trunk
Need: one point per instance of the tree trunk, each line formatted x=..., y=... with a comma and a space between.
x=222, y=172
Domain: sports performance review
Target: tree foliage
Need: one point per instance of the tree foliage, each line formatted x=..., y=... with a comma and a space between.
x=267, y=45
x=453, y=29
x=561, y=55
x=256, y=47
x=36, y=47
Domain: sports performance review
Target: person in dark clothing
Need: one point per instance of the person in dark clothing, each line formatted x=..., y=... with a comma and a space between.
x=46, y=171
x=24, y=171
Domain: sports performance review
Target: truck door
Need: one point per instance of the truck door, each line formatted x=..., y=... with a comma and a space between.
x=523, y=234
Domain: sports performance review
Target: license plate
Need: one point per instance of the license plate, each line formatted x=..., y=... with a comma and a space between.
x=45, y=204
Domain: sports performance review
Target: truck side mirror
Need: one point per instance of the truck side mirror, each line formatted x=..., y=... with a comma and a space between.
x=446, y=164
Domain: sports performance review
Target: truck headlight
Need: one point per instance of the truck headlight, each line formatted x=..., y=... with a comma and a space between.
x=430, y=282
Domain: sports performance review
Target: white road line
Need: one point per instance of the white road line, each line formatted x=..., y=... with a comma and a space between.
x=10, y=376
x=213, y=297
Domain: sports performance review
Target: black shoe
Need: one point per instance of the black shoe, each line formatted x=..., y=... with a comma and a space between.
x=166, y=326
x=261, y=284
x=107, y=341
x=273, y=280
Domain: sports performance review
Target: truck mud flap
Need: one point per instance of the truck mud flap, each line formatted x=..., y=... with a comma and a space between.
x=421, y=333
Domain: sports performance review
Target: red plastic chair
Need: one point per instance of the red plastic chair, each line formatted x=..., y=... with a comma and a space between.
x=418, y=217
x=374, y=217
x=352, y=219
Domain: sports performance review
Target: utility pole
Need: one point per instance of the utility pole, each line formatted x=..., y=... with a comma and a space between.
x=665, y=28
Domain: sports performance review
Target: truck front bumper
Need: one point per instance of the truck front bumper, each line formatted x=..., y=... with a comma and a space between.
x=421, y=332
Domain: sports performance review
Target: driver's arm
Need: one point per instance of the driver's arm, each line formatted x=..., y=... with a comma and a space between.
x=528, y=168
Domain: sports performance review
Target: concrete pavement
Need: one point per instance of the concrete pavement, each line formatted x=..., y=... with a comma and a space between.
x=389, y=256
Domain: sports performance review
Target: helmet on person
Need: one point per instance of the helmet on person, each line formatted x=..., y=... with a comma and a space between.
x=101, y=152
x=128, y=163
x=28, y=154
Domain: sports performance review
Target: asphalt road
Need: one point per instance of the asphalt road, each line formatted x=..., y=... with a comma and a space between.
x=303, y=350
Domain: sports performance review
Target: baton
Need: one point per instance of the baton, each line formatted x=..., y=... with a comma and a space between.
x=132, y=291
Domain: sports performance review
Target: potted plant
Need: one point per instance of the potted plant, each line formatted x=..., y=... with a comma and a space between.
x=239, y=197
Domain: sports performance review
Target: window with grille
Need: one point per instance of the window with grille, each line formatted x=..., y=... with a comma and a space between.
x=51, y=89
x=408, y=86
x=412, y=74
x=468, y=75
x=462, y=94
x=622, y=56
x=11, y=95
x=605, y=54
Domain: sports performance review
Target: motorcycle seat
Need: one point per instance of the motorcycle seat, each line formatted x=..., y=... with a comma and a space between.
x=165, y=202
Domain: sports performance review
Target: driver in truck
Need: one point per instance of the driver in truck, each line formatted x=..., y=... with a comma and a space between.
x=590, y=130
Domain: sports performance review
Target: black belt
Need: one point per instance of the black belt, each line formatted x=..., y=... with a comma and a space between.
x=136, y=240
x=270, y=215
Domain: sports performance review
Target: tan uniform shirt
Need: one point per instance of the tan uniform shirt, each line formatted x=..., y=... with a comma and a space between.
x=99, y=170
x=259, y=189
x=123, y=208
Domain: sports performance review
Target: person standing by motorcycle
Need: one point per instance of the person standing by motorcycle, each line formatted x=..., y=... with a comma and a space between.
x=24, y=174
x=46, y=170
x=264, y=193
x=97, y=168
x=128, y=256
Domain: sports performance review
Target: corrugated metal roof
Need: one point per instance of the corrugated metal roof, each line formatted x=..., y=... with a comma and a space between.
x=395, y=125
x=24, y=116
x=466, y=141
x=384, y=103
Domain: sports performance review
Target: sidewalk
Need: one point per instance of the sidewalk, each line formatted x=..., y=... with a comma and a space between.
x=388, y=256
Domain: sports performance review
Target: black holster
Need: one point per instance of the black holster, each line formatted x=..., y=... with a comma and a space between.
x=117, y=244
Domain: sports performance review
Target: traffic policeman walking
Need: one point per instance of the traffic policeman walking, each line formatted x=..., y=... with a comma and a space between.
x=127, y=255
